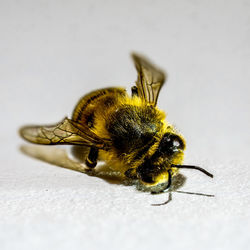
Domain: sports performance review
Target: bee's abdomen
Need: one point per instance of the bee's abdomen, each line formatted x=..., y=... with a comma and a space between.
x=86, y=107
x=133, y=129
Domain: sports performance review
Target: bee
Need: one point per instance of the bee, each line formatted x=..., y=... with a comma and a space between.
x=128, y=132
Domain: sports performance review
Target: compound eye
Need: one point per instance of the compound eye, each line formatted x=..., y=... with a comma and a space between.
x=177, y=142
x=171, y=143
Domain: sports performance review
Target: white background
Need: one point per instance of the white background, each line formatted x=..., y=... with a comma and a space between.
x=53, y=52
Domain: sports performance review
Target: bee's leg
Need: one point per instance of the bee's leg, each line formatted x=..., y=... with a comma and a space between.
x=134, y=91
x=131, y=173
x=91, y=160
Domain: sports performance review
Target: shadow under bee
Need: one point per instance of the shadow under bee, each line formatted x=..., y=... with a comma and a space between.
x=60, y=158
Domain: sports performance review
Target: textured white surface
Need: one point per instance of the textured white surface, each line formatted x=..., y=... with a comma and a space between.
x=52, y=52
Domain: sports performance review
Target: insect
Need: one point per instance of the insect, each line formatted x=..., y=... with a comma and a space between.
x=128, y=132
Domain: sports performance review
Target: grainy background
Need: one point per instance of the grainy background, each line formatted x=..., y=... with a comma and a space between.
x=52, y=52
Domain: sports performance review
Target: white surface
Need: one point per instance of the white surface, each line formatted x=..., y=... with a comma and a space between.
x=52, y=52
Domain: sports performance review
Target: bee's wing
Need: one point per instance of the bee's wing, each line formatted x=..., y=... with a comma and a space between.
x=64, y=132
x=150, y=79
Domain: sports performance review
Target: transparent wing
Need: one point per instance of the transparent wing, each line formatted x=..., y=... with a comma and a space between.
x=65, y=132
x=150, y=79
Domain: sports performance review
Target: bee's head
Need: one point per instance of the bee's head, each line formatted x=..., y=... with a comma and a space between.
x=170, y=150
x=155, y=174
